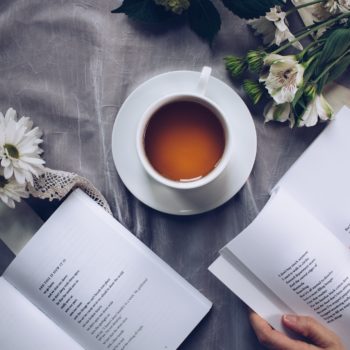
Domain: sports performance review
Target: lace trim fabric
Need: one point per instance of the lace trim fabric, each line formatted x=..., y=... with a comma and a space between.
x=56, y=184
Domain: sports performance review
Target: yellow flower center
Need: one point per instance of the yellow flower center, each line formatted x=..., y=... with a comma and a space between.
x=287, y=77
x=11, y=150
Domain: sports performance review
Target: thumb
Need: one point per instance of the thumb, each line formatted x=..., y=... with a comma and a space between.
x=310, y=329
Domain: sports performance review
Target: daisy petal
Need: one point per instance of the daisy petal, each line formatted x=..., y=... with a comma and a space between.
x=8, y=172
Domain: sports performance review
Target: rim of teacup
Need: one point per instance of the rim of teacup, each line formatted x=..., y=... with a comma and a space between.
x=187, y=184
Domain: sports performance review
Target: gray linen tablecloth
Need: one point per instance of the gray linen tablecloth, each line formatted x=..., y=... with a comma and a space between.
x=70, y=64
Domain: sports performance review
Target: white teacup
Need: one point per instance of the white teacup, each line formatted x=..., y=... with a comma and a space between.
x=199, y=97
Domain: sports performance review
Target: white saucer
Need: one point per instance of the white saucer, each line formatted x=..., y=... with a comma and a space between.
x=160, y=197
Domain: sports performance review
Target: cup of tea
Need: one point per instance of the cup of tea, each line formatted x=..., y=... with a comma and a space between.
x=183, y=140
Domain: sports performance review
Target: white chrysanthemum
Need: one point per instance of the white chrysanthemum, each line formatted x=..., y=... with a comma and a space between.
x=317, y=108
x=280, y=113
x=274, y=28
x=337, y=6
x=11, y=191
x=284, y=77
x=19, y=148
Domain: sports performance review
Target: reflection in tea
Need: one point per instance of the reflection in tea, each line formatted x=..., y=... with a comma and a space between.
x=184, y=141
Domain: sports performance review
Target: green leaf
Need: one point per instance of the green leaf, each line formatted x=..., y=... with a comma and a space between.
x=204, y=19
x=297, y=97
x=145, y=11
x=322, y=82
x=338, y=42
x=299, y=109
x=251, y=8
x=339, y=69
x=309, y=71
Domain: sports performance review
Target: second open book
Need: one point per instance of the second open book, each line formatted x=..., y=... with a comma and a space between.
x=295, y=257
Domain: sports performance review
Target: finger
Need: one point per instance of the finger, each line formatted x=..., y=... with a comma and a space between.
x=311, y=329
x=273, y=339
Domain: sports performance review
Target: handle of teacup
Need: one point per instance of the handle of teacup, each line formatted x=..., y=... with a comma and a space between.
x=203, y=80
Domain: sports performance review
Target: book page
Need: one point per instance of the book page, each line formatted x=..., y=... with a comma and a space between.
x=102, y=285
x=301, y=262
x=320, y=180
x=24, y=327
x=230, y=271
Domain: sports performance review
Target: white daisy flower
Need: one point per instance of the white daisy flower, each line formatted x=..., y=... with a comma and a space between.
x=317, y=108
x=284, y=77
x=274, y=28
x=280, y=113
x=19, y=148
x=11, y=191
x=337, y=6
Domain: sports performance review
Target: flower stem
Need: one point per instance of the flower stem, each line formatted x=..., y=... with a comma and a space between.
x=303, y=5
x=331, y=66
x=302, y=31
x=301, y=54
x=314, y=29
x=310, y=26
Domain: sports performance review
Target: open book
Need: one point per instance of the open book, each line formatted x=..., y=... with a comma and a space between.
x=85, y=282
x=295, y=257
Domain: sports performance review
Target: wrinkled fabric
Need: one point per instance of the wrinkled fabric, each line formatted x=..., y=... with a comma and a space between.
x=70, y=64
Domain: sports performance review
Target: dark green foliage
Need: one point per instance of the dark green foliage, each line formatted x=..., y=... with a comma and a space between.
x=251, y=8
x=145, y=11
x=204, y=19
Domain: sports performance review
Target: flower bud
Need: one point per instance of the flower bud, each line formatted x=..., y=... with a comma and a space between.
x=235, y=65
x=255, y=60
x=310, y=91
x=254, y=90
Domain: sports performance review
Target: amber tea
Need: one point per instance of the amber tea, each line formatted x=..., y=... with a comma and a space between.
x=184, y=140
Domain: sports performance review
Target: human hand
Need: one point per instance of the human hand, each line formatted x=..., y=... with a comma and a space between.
x=319, y=336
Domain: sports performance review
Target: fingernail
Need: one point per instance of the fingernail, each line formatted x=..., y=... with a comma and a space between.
x=291, y=319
